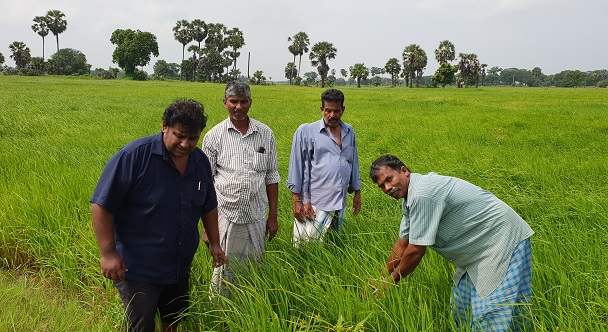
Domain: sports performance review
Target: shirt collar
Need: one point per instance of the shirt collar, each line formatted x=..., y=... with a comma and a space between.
x=320, y=125
x=158, y=147
x=253, y=127
x=412, y=188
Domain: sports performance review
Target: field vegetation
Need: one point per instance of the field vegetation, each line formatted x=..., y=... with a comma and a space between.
x=543, y=151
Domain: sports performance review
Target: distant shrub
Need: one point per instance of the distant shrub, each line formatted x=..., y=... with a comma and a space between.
x=602, y=84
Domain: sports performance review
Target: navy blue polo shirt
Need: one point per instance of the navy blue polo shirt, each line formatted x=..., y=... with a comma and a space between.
x=156, y=209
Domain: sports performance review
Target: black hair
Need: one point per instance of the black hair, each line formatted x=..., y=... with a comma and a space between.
x=332, y=95
x=385, y=161
x=187, y=113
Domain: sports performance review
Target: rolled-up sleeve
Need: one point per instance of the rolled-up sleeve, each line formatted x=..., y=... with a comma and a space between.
x=355, y=176
x=297, y=163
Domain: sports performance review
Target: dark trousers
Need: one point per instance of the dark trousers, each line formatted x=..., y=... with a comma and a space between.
x=142, y=301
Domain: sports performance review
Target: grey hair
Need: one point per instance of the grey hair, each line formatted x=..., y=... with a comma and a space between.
x=237, y=88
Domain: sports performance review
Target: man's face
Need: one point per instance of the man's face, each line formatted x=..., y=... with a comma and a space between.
x=392, y=182
x=237, y=107
x=332, y=113
x=178, y=142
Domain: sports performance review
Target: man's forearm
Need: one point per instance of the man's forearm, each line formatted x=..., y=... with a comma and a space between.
x=272, y=193
x=103, y=226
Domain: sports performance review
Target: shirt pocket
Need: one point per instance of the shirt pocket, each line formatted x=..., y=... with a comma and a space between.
x=259, y=162
x=200, y=196
x=349, y=153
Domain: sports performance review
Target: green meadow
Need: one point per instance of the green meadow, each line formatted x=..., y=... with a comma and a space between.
x=543, y=151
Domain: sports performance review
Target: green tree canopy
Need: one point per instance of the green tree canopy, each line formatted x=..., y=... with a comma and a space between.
x=198, y=28
x=133, y=48
x=40, y=27
x=299, y=46
x=1, y=59
x=319, y=55
x=235, y=40
x=569, y=78
x=258, y=78
x=393, y=68
x=216, y=37
x=445, y=52
x=445, y=74
x=68, y=61
x=20, y=53
x=56, y=22
x=311, y=77
x=414, y=63
x=359, y=72
x=182, y=33
x=469, y=69
x=291, y=71
x=163, y=70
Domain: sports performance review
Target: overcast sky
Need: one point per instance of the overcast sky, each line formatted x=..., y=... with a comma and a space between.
x=554, y=35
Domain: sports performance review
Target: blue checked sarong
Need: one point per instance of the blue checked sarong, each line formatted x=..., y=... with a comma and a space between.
x=505, y=309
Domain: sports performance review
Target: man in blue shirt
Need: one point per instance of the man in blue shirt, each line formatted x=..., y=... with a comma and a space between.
x=145, y=211
x=323, y=169
x=484, y=238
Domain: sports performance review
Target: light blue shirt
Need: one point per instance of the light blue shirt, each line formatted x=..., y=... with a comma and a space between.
x=469, y=226
x=321, y=172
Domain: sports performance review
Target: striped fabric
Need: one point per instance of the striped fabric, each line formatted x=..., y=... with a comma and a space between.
x=507, y=308
x=315, y=229
x=469, y=226
x=242, y=166
x=243, y=244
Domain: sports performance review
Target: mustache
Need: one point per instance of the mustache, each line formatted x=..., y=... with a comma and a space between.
x=393, y=191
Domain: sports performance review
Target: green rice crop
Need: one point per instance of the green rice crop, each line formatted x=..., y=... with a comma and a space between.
x=543, y=151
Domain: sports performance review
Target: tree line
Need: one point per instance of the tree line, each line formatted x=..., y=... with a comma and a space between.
x=466, y=72
x=214, y=48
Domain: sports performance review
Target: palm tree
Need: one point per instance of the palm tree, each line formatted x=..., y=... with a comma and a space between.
x=537, y=73
x=414, y=62
x=290, y=71
x=319, y=54
x=198, y=28
x=181, y=33
x=21, y=53
x=56, y=23
x=235, y=40
x=469, y=68
x=299, y=47
x=393, y=68
x=40, y=27
x=445, y=52
x=359, y=72
x=216, y=36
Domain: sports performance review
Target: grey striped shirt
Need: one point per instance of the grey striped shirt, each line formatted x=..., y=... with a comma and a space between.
x=469, y=226
x=242, y=166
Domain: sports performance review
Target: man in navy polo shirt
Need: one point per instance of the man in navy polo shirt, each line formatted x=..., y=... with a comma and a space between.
x=145, y=210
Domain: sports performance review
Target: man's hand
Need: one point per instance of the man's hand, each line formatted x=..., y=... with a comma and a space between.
x=219, y=258
x=298, y=210
x=272, y=226
x=112, y=266
x=309, y=212
x=206, y=238
x=357, y=202
x=378, y=286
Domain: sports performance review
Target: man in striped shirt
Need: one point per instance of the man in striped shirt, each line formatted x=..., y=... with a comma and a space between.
x=483, y=237
x=243, y=156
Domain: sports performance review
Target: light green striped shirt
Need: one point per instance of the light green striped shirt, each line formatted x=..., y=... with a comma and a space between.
x=469, y=226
